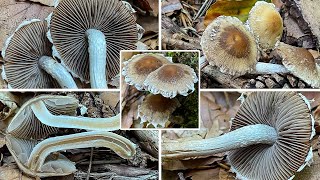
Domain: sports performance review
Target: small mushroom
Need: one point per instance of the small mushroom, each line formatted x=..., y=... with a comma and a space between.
x=42, y=115
x=270, y=137
x=266, y=24
x=156, y=109
x=89, y=34
x=300, y=62
x=28, y=62
x=227, y=44
x=171, y=79
x=36, y=159
x=136, y=70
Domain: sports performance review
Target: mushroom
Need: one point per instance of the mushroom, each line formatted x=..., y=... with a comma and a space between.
x=227, y=44
x=269, y=138
x=36, y=159
x=300, y=62
x=89, y=34
x=171, y=79
x=157, y=109
x=28, y=62
x=136, y=69
x=42, y=115
x=266, y=24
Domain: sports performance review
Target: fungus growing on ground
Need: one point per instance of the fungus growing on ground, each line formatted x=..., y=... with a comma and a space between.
x=227, y=44
x=171, y=79
x=266, y=24
x=36, y=159
x=42, y=115
x=28, y=62
x=269, y=138
x=301, y=63
x=156, y=109
x=136, y=70
x=89, y=35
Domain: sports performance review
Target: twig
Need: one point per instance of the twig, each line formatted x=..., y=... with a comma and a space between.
x=90, y=164
x=205, y=6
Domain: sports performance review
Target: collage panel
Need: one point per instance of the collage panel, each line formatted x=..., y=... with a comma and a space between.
x=72, y=44
x=160, y=89
x=247, y=135
x=247, y=44
x=71, y=135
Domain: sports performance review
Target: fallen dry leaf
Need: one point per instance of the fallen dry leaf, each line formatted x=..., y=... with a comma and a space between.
x=239, y=9
x=13, y=173
x=191, y=163
x=170, y=6
x=45, y=2
x=12, y=13
x=208, y=174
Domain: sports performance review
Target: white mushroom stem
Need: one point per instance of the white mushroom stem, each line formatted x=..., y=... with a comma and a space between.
x=58, y=72
x=98, y=58
x=63, y=121
x=120, y=145
x=239, y=138
x=261, y=67
x=269, y=68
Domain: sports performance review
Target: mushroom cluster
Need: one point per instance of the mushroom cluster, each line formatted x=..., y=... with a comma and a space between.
x=164, y=80
x=37, y=155
x=84, y=36
x=270, y=138
x=234, y=47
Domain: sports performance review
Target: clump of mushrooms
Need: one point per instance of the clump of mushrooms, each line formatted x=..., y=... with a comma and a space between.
x=35, y=121
x=164, y=79
x=28, y=62
x=270, y=137
x=228, y=44
x=89, y=34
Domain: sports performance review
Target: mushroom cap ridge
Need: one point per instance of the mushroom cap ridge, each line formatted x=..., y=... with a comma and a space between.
x=21, y=55
x=72, y=18
x=289, y=114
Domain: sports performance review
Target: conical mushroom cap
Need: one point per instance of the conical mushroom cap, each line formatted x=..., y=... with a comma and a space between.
x=22, y=53
x=136, y=70
x=157, y=109
x=289, y=114
x=300, y=63
x=72, y=18
x=227, y=43
x=266, y=24
x=171, y=79
x=27, y=126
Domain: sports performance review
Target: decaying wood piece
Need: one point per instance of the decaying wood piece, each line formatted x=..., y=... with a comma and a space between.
x=307, y=15
x=149, y=141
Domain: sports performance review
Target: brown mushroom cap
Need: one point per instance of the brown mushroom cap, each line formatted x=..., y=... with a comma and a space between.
x=171, y=79
x=140, y=66
x=227, y=43
x=300, y=62
x=157, y=109
x=72, y=18
x=266, y=24
x=289, y=114
x=23, y=51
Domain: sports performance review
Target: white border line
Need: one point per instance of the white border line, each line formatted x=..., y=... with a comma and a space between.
x=159, y=51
